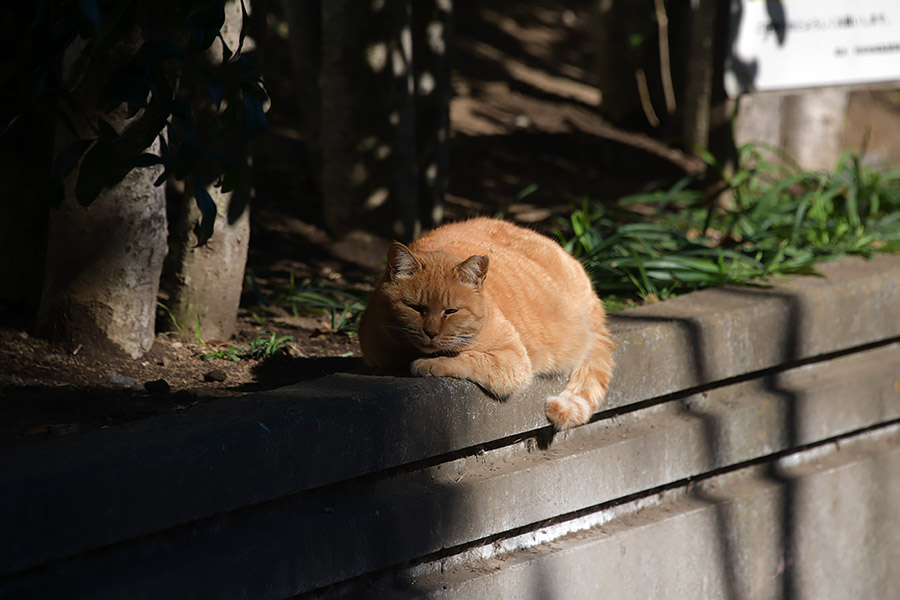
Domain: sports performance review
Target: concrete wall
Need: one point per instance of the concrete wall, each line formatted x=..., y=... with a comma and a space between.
x=749, y=448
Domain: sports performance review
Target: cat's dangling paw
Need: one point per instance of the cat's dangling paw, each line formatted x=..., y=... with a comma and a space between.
x=567, y=410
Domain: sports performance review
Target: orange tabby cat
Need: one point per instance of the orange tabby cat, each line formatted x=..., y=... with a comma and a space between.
x=437, y=308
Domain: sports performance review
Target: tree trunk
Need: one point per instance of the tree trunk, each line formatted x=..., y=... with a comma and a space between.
x=305, y=41
x=617, y=58
x=103, y=266
x=208, y=279
x=697, y=100
x=25, y=162
x=432, y=35
x=27, y=113
x=369, y=171
x=104, y=261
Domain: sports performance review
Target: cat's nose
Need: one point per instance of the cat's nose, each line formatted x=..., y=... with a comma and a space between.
x=431, y=332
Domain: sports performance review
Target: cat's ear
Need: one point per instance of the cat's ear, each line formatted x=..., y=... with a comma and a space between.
x=401, y=262
x=473, y=270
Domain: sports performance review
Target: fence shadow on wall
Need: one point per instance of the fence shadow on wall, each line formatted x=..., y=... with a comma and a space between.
x=702, y=363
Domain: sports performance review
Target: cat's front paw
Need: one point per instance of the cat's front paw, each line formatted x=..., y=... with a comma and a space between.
x=427, y=367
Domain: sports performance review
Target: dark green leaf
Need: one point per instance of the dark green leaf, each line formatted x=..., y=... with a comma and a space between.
x=94, y=173
x=231, y=177
x=187, y=157
x=206, y=24
x=214, y=87
x=255, y=121
x=181, y=128
x=160, y=51
x=245, y=18
x=145, y=160
x=63, y=34
x=107, y=132
x=91, y=10
x=68, y=158
x=207, y=213
x=226, y=51
x=164, y=159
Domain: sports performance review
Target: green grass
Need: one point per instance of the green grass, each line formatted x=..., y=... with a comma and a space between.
x=343, y=305
x=262, y=348
x=768, y=219
x=232, y=353
x=182, y=326
x=775, y=220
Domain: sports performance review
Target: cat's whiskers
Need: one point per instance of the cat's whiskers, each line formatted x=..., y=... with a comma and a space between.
x=453, y=342
x=457, y=341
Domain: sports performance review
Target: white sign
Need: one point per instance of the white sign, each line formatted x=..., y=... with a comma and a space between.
x=791, y=44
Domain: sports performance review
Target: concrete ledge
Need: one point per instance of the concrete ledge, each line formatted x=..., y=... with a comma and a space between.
x=718, y=334
x=819, y=524
x=283, y=479
x=464, y=500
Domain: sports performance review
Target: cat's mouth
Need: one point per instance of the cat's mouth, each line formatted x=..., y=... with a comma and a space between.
x=434, y=348
x=440, y=346
x=440, y=353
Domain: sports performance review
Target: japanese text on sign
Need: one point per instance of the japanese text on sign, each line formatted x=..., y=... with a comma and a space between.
x=795, y=44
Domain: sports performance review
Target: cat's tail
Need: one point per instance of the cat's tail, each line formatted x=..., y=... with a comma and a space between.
x=588, y=382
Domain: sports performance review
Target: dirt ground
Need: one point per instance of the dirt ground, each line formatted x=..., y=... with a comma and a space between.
x=522, y=115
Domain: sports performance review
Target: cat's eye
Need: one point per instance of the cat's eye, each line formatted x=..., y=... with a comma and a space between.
x=450, y=311
x=418, y=308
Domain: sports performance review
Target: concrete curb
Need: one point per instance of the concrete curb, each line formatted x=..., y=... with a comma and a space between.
x=723, y=538
x=269, y=463
x=718, y=334
x=425, y=510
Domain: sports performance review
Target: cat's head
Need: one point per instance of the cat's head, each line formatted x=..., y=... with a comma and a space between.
x=436, y=300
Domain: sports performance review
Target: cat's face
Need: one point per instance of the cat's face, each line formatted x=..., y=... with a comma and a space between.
x=436, y=301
